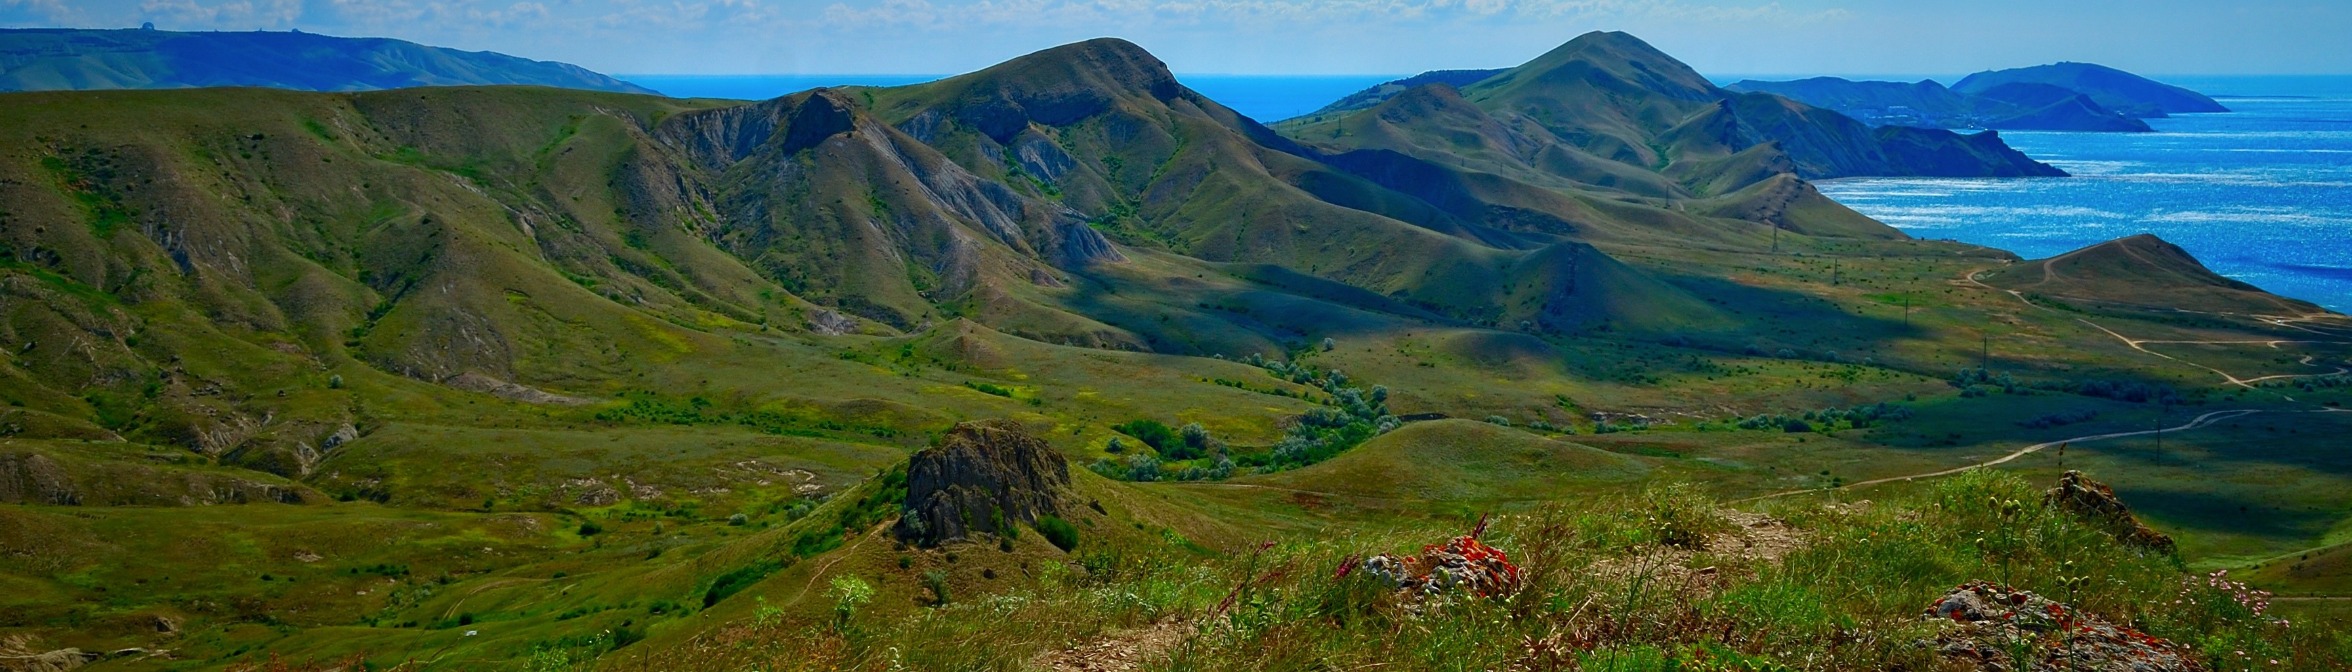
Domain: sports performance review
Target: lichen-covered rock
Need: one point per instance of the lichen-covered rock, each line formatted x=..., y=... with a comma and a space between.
x=1462, y=565
x=984, y=475
x=2092, y=500
x=1986, y=624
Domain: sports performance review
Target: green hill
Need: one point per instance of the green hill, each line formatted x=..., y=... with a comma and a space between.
x=2142, y=271
x=44, y=59
x=1461, y=462
x=562, y=379
x=1379, y=93
x=1608, y=111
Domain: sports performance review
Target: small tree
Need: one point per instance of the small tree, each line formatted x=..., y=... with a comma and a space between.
x=849, y=593
x=1330, y=345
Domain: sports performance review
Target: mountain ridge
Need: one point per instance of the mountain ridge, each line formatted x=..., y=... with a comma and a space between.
x=2018, y=106
x=46, y=59
x=2114, y=89
x=558, y=378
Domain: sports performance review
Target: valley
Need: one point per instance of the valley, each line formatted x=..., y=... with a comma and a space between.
x=526, y=378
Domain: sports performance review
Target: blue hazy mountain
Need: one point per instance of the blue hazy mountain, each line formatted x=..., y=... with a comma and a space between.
x=2113, y=89
x=2009, y=106
x=68, y=59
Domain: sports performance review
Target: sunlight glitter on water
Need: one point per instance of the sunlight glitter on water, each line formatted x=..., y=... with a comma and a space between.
x=2262, y=194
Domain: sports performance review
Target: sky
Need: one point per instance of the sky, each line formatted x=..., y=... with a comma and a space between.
x=1718, y=37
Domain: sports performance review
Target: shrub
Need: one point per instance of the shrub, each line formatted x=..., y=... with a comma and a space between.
x=1680, y=515
x=734, y=581
x=1152, y=433
x=936, y=581
x=1059, y=532
x=848, y=594
x=590, y=529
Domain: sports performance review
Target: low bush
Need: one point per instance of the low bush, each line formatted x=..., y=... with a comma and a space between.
x=1058, y=532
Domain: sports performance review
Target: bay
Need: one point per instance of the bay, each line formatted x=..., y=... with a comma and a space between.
x=2262, y=194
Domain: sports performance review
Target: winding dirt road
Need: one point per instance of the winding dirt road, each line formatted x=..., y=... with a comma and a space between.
x=2200, y=421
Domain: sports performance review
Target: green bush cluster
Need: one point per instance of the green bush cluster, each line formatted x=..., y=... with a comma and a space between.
x=1829, y=419
x=1058, y=532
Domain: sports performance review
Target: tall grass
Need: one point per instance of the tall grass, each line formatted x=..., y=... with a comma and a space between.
x=1624, y=584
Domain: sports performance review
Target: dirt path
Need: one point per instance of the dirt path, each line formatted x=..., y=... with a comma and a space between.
x=838, y=557
x=1118, y=651
x=2141, y=345
x=2200, y=421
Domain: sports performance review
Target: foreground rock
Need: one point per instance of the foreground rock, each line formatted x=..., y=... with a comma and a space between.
x=1986, y=624
x=1463, y=565
x=2079, y=495
x=983, y=476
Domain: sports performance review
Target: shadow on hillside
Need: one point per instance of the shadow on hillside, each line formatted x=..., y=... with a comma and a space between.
x=2219, y=512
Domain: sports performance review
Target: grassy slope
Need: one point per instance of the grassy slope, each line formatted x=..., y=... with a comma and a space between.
x=358, y=238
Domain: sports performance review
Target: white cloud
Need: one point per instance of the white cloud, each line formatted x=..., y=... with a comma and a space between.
x=235, y=14
x=928, y=14
x=55, y=11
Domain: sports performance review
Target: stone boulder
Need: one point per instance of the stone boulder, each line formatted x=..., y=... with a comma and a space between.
x=1985, y=626
x=2094, y=501
x=983, y=475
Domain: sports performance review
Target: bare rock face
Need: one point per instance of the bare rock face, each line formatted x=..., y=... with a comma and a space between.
x=831, y=323
x=2092, y=500
x=984, y=475
x=31, y=478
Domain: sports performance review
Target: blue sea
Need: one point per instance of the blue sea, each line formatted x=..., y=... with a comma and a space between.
x=2262, y=194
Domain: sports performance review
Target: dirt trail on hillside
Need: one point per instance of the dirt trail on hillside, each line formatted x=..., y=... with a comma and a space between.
x=2200, y=421
x=2289, y=322
x=1118, y=651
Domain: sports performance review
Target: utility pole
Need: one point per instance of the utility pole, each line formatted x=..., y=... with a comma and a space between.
x=2161, y=407
x=1984, y=357
x=1833, y=273
x=1776, y=238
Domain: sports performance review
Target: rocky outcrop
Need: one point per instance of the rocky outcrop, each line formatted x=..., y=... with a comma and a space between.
x=831, y=323
x=2094, y=501
x=474, y=381
x=1986, y=625
x=984, y=475
x=64, y=479
x=33, y=478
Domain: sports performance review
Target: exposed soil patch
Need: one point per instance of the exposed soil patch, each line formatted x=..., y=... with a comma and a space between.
x=1118, y=651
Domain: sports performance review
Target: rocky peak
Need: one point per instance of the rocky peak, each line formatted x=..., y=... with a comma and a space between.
x=1060, y=86
x=721, y=137
x=982, y=476
x=2094, y=501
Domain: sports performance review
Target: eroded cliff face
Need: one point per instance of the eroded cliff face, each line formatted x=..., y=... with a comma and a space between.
x=983, y=477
